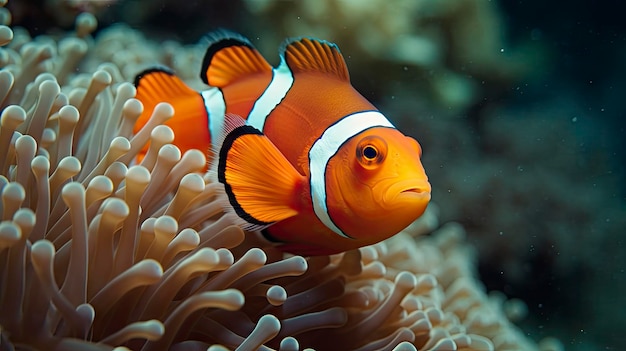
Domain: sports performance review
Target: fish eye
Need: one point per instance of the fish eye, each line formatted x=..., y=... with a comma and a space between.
x=371, y=151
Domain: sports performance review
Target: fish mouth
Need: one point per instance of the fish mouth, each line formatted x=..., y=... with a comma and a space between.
x=413, y=187
x=411, y=190
x=415, y=190
x=419, y=192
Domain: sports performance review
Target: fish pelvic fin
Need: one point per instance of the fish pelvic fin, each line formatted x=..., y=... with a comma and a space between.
x=314, y=55
x=230, y=56
x=261, y=187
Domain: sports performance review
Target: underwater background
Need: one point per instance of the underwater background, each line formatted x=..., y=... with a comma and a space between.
x=518, y=106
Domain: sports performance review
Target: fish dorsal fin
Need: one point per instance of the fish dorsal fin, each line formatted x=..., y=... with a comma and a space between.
x=313, y=55
x=260, y=185
x=230, y=56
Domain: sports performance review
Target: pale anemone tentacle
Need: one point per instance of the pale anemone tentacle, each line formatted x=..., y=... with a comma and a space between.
x=6, y=35
x=71, y=52
x=6, y=84
x=160, y=136
x=86, y=23
x=40, y=167
x=67, y=119
x=11, y=118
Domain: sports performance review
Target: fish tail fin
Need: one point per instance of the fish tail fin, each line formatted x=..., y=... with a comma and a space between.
x=230, y=56
x=261, y=186
x=190, y=119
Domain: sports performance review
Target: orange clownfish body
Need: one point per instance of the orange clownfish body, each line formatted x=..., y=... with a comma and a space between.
x=311, y=163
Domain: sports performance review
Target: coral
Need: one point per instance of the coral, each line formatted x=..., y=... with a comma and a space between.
x=101, y=253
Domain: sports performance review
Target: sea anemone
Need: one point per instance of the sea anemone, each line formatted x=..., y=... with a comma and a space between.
x=100, y=252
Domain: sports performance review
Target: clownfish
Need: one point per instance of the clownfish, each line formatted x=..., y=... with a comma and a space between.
x=302, y=156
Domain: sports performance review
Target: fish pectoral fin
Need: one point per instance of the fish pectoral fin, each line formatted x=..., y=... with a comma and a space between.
x=260, y=184
x=230, y=56
x=314, y=55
